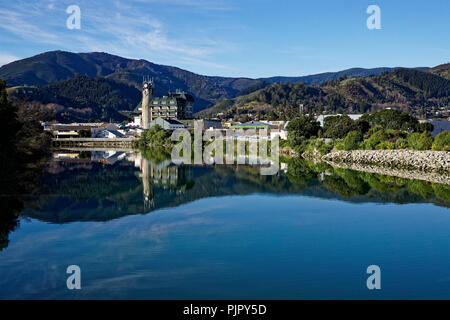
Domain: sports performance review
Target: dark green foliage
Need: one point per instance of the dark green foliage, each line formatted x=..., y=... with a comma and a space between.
x=413, y=91
x=22, y=145
x=432, y=85
x=442, y=191
x=255, y=87
x=425, y=126
x=300, y=172
x=105, y=97
x=340, y=126
x=49, y=67
x=393, y=119
x=301, y=128
x=422, y=188
x=420, y=141
x=375, y=139
x=401, y=143
x=155, y=136
x=352, y=140
x=442, y=141
x=10, y=124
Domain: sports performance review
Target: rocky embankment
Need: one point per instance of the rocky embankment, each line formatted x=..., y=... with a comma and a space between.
x=426, y=161
x=434, y=177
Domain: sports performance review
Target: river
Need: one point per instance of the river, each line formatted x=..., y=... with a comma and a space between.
x=140, y=227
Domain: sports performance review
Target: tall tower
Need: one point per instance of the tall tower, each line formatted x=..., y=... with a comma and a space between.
x=147, y=94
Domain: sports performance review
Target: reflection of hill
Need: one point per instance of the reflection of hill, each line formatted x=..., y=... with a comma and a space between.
x=104, y=192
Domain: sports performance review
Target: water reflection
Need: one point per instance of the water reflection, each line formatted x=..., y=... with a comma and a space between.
x=101, y=185
x=247, y=236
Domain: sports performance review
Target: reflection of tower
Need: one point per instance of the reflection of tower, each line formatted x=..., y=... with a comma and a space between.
x=147, y=94
x=148, y=196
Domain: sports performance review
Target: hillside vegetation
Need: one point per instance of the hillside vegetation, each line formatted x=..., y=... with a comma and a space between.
x=49, y=67
x=78, y=98
x=442, y=70
x=414, y=91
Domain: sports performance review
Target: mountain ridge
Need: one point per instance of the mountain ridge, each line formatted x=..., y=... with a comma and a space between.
x=48, y=67
x=422, y=93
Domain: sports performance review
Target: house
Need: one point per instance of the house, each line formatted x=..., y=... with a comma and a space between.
x=98, y=132
x=167, y=124
x=109, y=134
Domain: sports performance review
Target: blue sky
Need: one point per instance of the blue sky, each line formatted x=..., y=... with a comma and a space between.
x=235, y=38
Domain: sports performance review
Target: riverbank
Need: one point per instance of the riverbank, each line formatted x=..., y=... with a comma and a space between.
x=433, y=177
x=426, y=161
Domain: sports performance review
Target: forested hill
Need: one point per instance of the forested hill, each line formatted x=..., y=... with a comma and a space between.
x=53, y=66
x=49, y=67
x=411, y=90
x=79, y=98
x=442, y=70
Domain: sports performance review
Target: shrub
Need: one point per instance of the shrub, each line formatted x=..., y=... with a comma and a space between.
x=375, y=139
x=401, y=143
x=413, y=140
x=442, y=141
x=352, y=140
x=340, y=126
x=420, y=141
x=426, y=126
x=374, y=129
x=339, y=145
x=325, y=148
x=385, y=145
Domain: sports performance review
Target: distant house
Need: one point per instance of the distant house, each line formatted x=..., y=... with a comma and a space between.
x=110, y=134
x=167, y=124
x=98, y=132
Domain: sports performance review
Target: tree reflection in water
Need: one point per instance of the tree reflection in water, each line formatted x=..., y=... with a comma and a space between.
x=100, y=186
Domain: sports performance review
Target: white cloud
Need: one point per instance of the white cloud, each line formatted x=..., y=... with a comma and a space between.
x=6, y=58
x=122, y=28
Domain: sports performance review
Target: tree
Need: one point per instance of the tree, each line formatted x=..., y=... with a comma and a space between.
x=352, y=140
x=420, y=141
x=302, y=128
x=393, y=119
x=425, y=126
x=10, y=123
x=442, y=141
x=340, y=126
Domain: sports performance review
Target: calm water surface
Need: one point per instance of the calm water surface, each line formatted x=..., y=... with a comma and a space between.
x=147, y=229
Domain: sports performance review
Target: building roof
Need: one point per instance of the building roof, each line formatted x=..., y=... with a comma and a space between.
x=168, y=120
x=173, y=121
x=252, y=124
x=116, y=133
